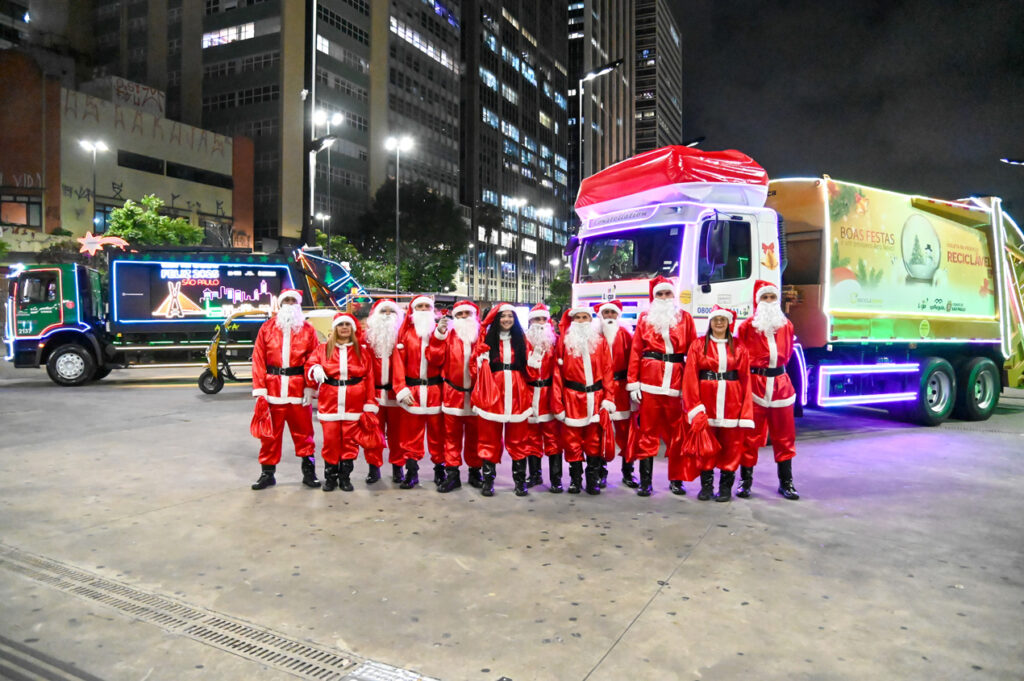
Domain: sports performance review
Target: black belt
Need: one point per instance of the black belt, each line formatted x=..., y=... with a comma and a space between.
x=285, y=371
x=676, y=357
x=580, y=388
x=500, y=366
x=386, y=386
x=458, y=387
x=731, y=375
x=765, y=371
x=337, y=382
x=619, y=375
x=430, y=380
x=541, y=383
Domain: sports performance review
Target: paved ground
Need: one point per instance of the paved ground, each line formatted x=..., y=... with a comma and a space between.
x=131, y=548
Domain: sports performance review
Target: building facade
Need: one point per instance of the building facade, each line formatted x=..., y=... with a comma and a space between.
x=658, y=109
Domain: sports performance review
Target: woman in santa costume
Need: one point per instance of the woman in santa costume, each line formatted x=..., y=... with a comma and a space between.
x=283, y=345
x=620, y=341
x=716, y=396
x=460, y=438
x=582, y=391
x=543, y=437
x=501, y=398
x=343, y=370
x=381, y=335
x=768, y=339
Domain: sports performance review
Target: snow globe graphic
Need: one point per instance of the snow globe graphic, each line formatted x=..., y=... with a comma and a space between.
x=922, y=252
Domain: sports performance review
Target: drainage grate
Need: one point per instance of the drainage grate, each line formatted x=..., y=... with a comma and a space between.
x=299, y=658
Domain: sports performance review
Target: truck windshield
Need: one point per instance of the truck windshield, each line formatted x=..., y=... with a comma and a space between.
x=634, y=254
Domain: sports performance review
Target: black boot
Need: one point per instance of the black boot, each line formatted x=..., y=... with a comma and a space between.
x=490, y=470
x=330, y=477
x=535, y=477
x=627, y=475
x=725, y=481
x=746, y=480
x=345, y=475
x=474, y=478
x=412, y=474
x=439, y=474
x=519, y=477
x=309, y=472
x=397, y=473
x=646, y=477
x=373, y=474
x=593, y=474
x=575, y=477
x=266, y=478
x=451, y=481
x=602, y=475
x=707, y=485
x=786, y=488
x=676, y=487
x=555, y=473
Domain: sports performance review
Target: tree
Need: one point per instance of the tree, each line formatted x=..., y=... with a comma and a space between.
x=433, y=236
x=141, y=224
x=369, y=272
x=560, y=290
x=68, y=251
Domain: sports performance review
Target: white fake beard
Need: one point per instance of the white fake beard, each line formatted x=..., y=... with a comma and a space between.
x=610, y=329
x=290, y=317
x=768, y=317
x=467, y=329
x=582, y=338
x=663, y=314
x=382, y=333
x=423, y=321
x=540, y=336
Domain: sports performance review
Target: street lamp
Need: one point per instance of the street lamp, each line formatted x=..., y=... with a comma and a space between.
x=1013, y=161
x=323, y=218
x=596, y=73
x=93, y=147
x=397, y=145
x=321, y=118
x=518, y=204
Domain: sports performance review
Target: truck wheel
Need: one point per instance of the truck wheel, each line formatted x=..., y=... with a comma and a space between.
x=70, y=365
x=936, y=392
x=101, y=373
x=210, y=384
x=978, y=392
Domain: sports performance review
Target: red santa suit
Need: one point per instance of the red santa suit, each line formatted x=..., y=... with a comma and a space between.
x=422, y=361
x=772, y=390
x=501, y=398
x=717, y=384
x=543, y=437
x=278, y=375
x=620, y=346
x=388, y=372
x=460, y=432
x=343, y=398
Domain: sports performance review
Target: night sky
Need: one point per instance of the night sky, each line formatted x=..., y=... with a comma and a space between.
x=916, y=96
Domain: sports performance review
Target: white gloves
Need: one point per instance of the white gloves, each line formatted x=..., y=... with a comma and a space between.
x=317, y=373
x=307, y=397
x=636, y=395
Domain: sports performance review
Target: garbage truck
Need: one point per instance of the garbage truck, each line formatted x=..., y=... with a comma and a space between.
x=901, y=301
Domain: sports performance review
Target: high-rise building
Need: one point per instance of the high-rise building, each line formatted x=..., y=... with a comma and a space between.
x=514, y=145
x=600, y=33
x=659, y=76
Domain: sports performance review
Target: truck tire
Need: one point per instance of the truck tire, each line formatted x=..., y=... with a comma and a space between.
x=101, y=373
x=978, y=392
x=936, y=392
x=70, y=365
x=210, y=384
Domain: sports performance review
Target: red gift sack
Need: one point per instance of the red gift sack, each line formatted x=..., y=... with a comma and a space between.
x=261, y=426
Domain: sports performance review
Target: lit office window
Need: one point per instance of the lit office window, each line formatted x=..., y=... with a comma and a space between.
x=229, y=35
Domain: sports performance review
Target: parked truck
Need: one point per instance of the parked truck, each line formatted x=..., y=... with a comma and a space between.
x=902, y=301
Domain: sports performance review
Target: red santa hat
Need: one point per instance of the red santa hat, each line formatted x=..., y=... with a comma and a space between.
x=761, y=287
x=495, y=311
x=420, y=299
x=660, y=283
x=564, y=324
x=464, y=306
x=608, y=305
x=539, y=311
x=344, y=317
x=293, y=293
x=718, y=311
x=385, y=303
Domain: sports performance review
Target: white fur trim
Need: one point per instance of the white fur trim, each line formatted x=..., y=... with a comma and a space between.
x=720, y=313
x=760, y=401
x=502, y=418
x=283, y=400
x=608, y=306
x=767, y=289
x=343, y=416
x=505, y=307
x=664, y=286
x=463, y=308
x=543, y=418
x=440, y=336
x=620, y=415
x=658, y=390
x=581, y=309
x=371, y=408
x=421, y=410
x=690, y=415
x=389, y=305
x=419, y=299
x=400, y=346
x=402, y=394
x=731, y=423
x=259, y=392
x=290, y=293
x=538, y=314
x=580, y=422
x=345, y=318
x=453, y=411
x=560, y=362
x=630, y=387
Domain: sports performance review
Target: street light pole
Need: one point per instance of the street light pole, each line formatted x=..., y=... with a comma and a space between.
x=321, y=118
x=398, y=145
x=596, y=73
x=93, y=147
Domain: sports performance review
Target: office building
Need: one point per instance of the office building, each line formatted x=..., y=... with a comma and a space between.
x=658, y=109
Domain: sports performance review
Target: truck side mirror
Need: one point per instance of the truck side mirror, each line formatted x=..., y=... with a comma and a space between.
x=571, y=246
x=705, y=287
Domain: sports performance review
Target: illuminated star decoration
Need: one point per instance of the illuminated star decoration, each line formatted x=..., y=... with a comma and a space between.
x=91, y=243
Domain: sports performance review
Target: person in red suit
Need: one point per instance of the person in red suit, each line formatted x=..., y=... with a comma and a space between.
x=421, y=349
x=283, y=345
x=381, y=335
x=716, y=395
x=501, y=397
x=654, y=379
x=768, y=339
x=620, y=341
x=343, y=370
x=460, y=439
x=543, y=437
x=582, y=390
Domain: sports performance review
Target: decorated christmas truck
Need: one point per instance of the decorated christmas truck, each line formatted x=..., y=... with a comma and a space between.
x=901, y=301
x=156, y=308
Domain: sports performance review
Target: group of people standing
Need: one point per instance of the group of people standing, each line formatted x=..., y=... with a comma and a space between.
x=464, y=391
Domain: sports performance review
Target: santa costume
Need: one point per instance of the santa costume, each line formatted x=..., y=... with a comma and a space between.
x=716, y=396
x=501, y=397
x=381, y=335
x=620, y=342
x=283, y=345
x=421, y=350
x=654, y=379
x=344, y=374
x=581, y=392
x=768, y=339
x=543, y=438
x=460, y=435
